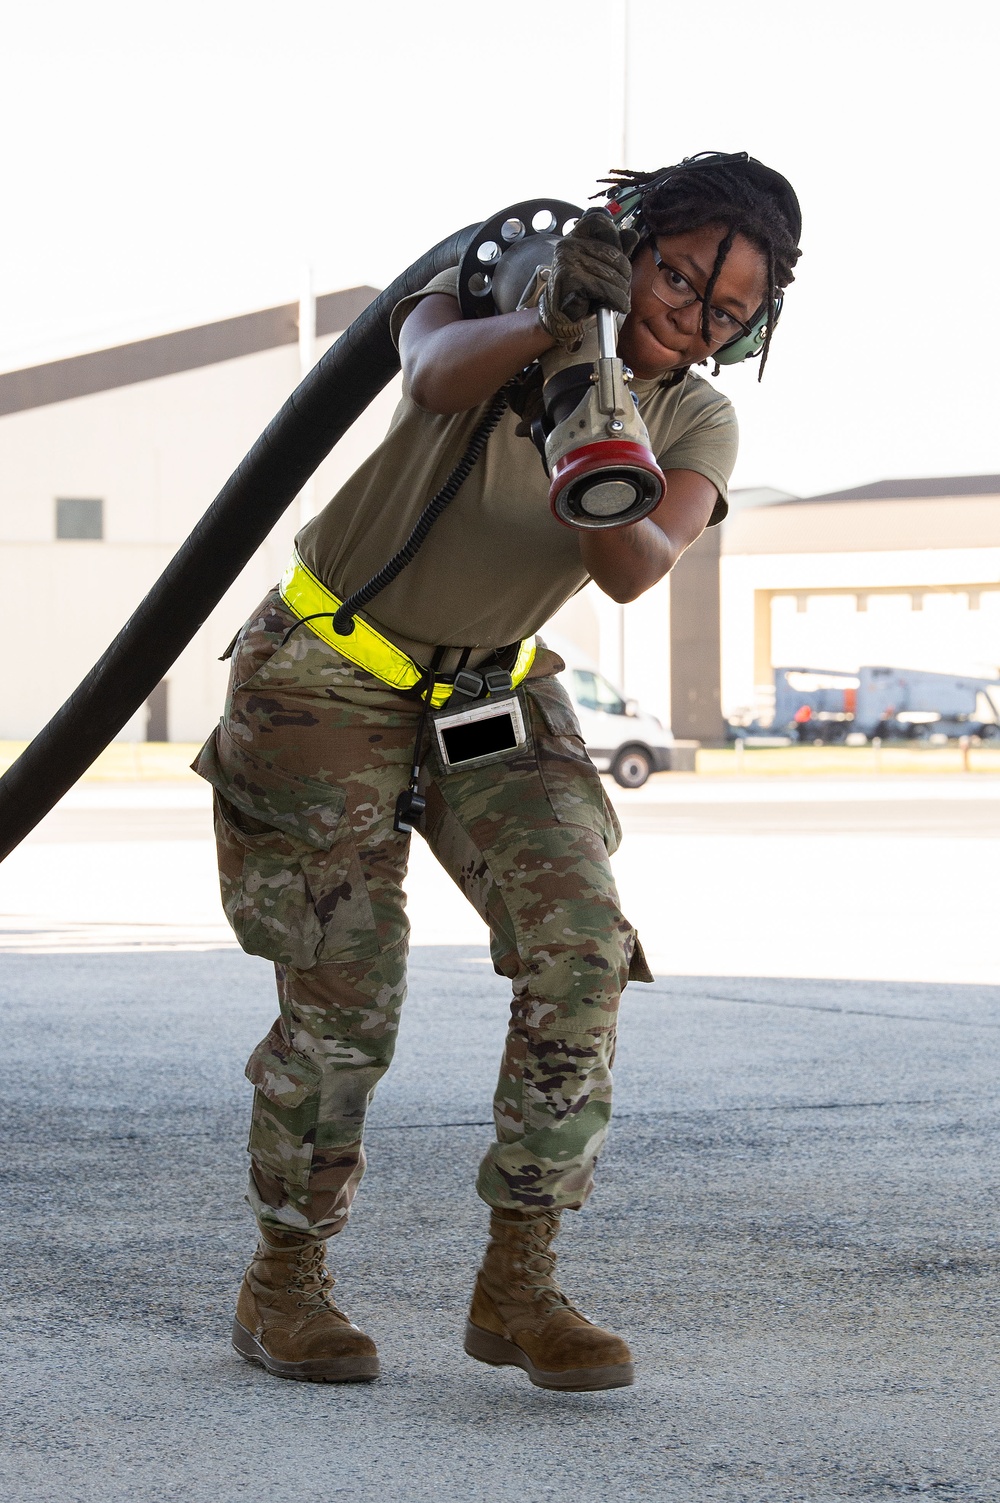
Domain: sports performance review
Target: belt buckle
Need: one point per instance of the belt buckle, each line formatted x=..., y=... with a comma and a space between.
x=468, y=684
x=498, y=681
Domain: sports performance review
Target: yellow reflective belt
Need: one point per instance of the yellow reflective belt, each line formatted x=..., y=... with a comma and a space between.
x=305, y=596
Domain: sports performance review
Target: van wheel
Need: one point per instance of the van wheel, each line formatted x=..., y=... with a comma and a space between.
x=631, y=767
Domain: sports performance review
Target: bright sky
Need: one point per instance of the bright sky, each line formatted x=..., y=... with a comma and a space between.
x=167, y=165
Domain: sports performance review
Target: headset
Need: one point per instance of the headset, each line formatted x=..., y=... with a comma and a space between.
x=624, y=203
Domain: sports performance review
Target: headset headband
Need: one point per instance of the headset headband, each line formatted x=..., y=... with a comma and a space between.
x=625, y=200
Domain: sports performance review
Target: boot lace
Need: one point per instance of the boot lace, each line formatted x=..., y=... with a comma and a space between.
x=313, y=1281
x=537, y=1265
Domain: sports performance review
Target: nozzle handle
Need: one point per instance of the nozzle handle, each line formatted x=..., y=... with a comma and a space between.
x=607, y=334
x=612, y=397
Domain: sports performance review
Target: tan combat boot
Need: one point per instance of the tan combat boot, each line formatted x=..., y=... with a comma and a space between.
x=521, y=1318
x=287, y=1321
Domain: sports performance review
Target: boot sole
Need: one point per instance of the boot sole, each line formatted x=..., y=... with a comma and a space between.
x=497, y=1351
x=317, y=1370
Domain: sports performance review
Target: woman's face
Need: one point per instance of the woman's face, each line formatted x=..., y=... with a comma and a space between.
x=655, y=338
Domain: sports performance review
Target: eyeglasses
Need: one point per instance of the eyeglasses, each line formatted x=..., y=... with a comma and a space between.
x=676, y=291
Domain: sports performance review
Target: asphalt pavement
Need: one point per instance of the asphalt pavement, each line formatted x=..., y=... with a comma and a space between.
x=795, y=1226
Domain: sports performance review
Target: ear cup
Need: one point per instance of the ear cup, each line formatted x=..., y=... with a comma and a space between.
x=748, y=345
x=744, y=348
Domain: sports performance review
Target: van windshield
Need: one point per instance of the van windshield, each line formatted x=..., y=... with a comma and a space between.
x=595, y=693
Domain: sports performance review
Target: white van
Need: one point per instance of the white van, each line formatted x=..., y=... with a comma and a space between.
x=620, y=738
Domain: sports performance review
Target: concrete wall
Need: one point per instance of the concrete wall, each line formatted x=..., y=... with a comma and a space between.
x=695, y=705
x=156, y=452
x=865, y=526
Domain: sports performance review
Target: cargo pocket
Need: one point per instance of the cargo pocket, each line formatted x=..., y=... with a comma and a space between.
x=291, y=880
x=285, y=1111
x=638, y=966
x=572, y=783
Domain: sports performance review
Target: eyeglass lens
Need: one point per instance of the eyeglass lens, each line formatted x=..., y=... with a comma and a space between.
x=676, y=292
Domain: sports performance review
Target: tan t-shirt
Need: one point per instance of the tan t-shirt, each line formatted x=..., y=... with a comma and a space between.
x=497, y=564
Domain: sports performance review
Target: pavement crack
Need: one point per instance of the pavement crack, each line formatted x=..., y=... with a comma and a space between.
x=855, y=1012
x=720, y=1111
x=781, y=1106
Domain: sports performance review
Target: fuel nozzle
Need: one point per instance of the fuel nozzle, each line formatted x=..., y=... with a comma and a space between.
x=587, y=425
x=602, y=470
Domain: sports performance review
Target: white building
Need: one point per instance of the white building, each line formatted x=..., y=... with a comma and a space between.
x=904, y=573
x=107, y=460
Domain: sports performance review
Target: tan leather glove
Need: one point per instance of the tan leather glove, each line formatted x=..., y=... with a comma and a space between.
x=590, y=270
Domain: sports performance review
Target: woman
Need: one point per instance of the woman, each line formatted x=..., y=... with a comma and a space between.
x=317, y=741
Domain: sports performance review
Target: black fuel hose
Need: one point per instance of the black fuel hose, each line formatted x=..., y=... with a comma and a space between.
x=317, y=414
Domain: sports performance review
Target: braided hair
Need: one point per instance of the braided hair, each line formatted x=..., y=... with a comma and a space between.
x=735, y=191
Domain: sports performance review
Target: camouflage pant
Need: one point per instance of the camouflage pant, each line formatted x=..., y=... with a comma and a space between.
x=306, y=765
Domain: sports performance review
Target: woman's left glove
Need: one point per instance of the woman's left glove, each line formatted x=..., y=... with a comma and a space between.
x=590, y=270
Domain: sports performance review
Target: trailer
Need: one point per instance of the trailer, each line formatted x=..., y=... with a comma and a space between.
x=818, y=704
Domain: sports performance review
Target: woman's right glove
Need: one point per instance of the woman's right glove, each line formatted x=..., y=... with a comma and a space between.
x=590, y=270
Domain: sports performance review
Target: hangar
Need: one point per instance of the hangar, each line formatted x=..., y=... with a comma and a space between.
x=902, y=572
